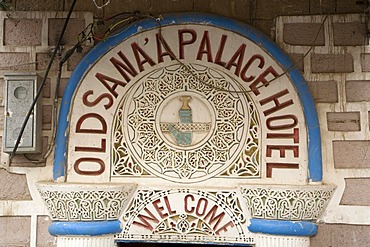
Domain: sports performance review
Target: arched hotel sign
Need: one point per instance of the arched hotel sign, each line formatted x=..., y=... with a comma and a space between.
x=188, y=107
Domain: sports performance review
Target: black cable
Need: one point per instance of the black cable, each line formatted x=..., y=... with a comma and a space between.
x=43, y=81
x=135, y=13
x=77, y=47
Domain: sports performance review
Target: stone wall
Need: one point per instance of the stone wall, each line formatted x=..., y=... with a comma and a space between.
x=26, y=46
x=259, y=13
x=334, y=57
x=331, y=51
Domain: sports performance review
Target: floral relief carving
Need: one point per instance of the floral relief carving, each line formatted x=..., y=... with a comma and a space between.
x=301, y=203
x=84, y=204
x=159, y=131
x=175, y=222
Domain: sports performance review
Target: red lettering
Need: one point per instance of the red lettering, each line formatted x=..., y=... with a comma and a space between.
x=248, y=64
x=168, y=206
x=101, y=164
x=96, y=116
x=136, y=49
x=294, y=135
x=100, y=149
x=187, y=209
x=205, y=48
x=200, y=207
x=224, y=227
x=212, y=217
x=105, y=79
x=220, y=51
x=88, y=103
x=282, y=149
x=160, y=53
x=262, y=78
x=237, y=60
x=282, y=126
x=124, y=66
x=159, y=209
x=270, y=166
x=278, y=105
x=183, y=42
x=144, y=220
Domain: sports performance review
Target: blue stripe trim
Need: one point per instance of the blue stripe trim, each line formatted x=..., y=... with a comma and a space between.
x=313, y=127
x=283, y=228
x=314, y=139
x=90, y=228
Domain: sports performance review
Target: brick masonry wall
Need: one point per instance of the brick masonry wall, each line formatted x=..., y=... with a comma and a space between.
x=356, y=192
x=9, y=191
x=336, y=71
x=10, y=226
x=259, y=13
x=336, y=235
x=25, y=46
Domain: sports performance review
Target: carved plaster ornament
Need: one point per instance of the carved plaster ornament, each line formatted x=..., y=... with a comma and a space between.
x=174, y=126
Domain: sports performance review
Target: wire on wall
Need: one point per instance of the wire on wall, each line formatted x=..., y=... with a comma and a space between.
x=101, y=6
x=85, y=35
x=19, y=65
x=39, y=91
x=125, y=20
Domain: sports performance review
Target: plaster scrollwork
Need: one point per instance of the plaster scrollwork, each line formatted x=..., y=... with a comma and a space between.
x=224, y=206
x=287, y=202
x=85, y=202
x=174, y=126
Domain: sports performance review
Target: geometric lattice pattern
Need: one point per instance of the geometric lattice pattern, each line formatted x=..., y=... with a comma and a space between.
x=85, y=204
x=225, y=143
x=186, y=225
x=303, y=203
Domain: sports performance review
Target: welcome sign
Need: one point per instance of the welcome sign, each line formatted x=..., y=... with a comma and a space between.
x=186, y=215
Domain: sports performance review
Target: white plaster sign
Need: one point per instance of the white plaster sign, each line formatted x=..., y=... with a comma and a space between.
x=185, y=215
x=202, y=104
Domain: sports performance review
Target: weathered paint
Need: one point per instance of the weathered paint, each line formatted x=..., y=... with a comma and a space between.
x=143, y=223
x=314, y=142
x=283, y=227
x=91, y=228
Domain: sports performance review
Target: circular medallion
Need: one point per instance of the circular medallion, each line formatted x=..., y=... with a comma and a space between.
x=185, y=126
x=185, y=120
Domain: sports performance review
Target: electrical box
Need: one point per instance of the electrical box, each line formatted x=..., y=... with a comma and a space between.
x=20, y=92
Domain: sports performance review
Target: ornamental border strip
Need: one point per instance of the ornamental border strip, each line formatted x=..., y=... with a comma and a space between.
x=85, y=202
x=290, y=202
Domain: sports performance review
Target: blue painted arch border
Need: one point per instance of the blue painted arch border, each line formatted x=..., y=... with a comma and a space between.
x=313, y=129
